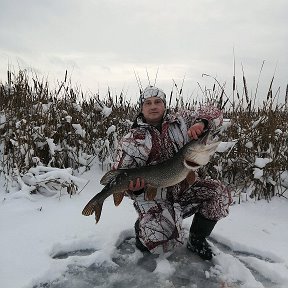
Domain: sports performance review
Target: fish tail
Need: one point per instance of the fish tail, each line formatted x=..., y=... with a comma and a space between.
x=93, y=206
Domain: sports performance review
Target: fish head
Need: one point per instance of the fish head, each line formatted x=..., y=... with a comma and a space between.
x=197, y=153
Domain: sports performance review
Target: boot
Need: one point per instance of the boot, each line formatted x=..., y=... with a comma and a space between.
x=148, y=261
x=138, y=243
x=200, y=229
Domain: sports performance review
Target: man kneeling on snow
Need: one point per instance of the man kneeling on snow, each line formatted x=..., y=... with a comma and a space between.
x=156, y=136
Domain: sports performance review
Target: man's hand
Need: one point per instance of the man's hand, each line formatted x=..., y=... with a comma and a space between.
x=196, y=130
x=136, y=185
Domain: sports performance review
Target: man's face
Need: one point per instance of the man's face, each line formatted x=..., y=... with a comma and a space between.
x=153, y=109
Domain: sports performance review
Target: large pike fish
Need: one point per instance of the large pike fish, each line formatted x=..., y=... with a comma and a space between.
x=190, y=157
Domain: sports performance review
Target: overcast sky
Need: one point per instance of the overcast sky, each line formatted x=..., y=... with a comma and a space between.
x=102, y=42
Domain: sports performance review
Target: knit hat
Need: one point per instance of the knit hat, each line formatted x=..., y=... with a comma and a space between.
x=151, y=91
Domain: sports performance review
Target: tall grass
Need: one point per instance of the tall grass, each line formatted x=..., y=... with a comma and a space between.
x=63, y=128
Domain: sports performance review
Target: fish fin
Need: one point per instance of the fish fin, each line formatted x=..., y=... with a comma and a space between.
x=88, y=209
x=108, y=176
x=118, y=197
x=191, y=177
x=91, y=207
x=150, y=193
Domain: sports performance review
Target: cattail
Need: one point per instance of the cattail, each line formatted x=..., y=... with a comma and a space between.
x=286, y=97
x=270, y=89
x=65, y=78
x=170, y=99
x=245, y=89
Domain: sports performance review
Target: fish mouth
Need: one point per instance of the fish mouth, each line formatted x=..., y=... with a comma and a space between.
x=191, y=164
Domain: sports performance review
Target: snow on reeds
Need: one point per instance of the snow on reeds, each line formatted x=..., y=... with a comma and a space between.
x=61, y=128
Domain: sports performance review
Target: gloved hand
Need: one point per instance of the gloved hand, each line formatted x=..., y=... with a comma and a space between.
x=136, y=187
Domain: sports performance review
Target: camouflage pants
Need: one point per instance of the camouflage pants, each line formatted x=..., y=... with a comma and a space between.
x=160, y=221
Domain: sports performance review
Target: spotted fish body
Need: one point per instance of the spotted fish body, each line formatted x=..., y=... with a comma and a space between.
x=190, y=157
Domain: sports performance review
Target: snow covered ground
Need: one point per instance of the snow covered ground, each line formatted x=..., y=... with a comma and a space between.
x=251, y=243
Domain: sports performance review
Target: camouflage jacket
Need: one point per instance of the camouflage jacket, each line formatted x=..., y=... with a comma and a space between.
x=148, y=145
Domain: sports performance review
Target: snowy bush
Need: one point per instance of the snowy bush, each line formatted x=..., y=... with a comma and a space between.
x=62, y=129
x=256, y=151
